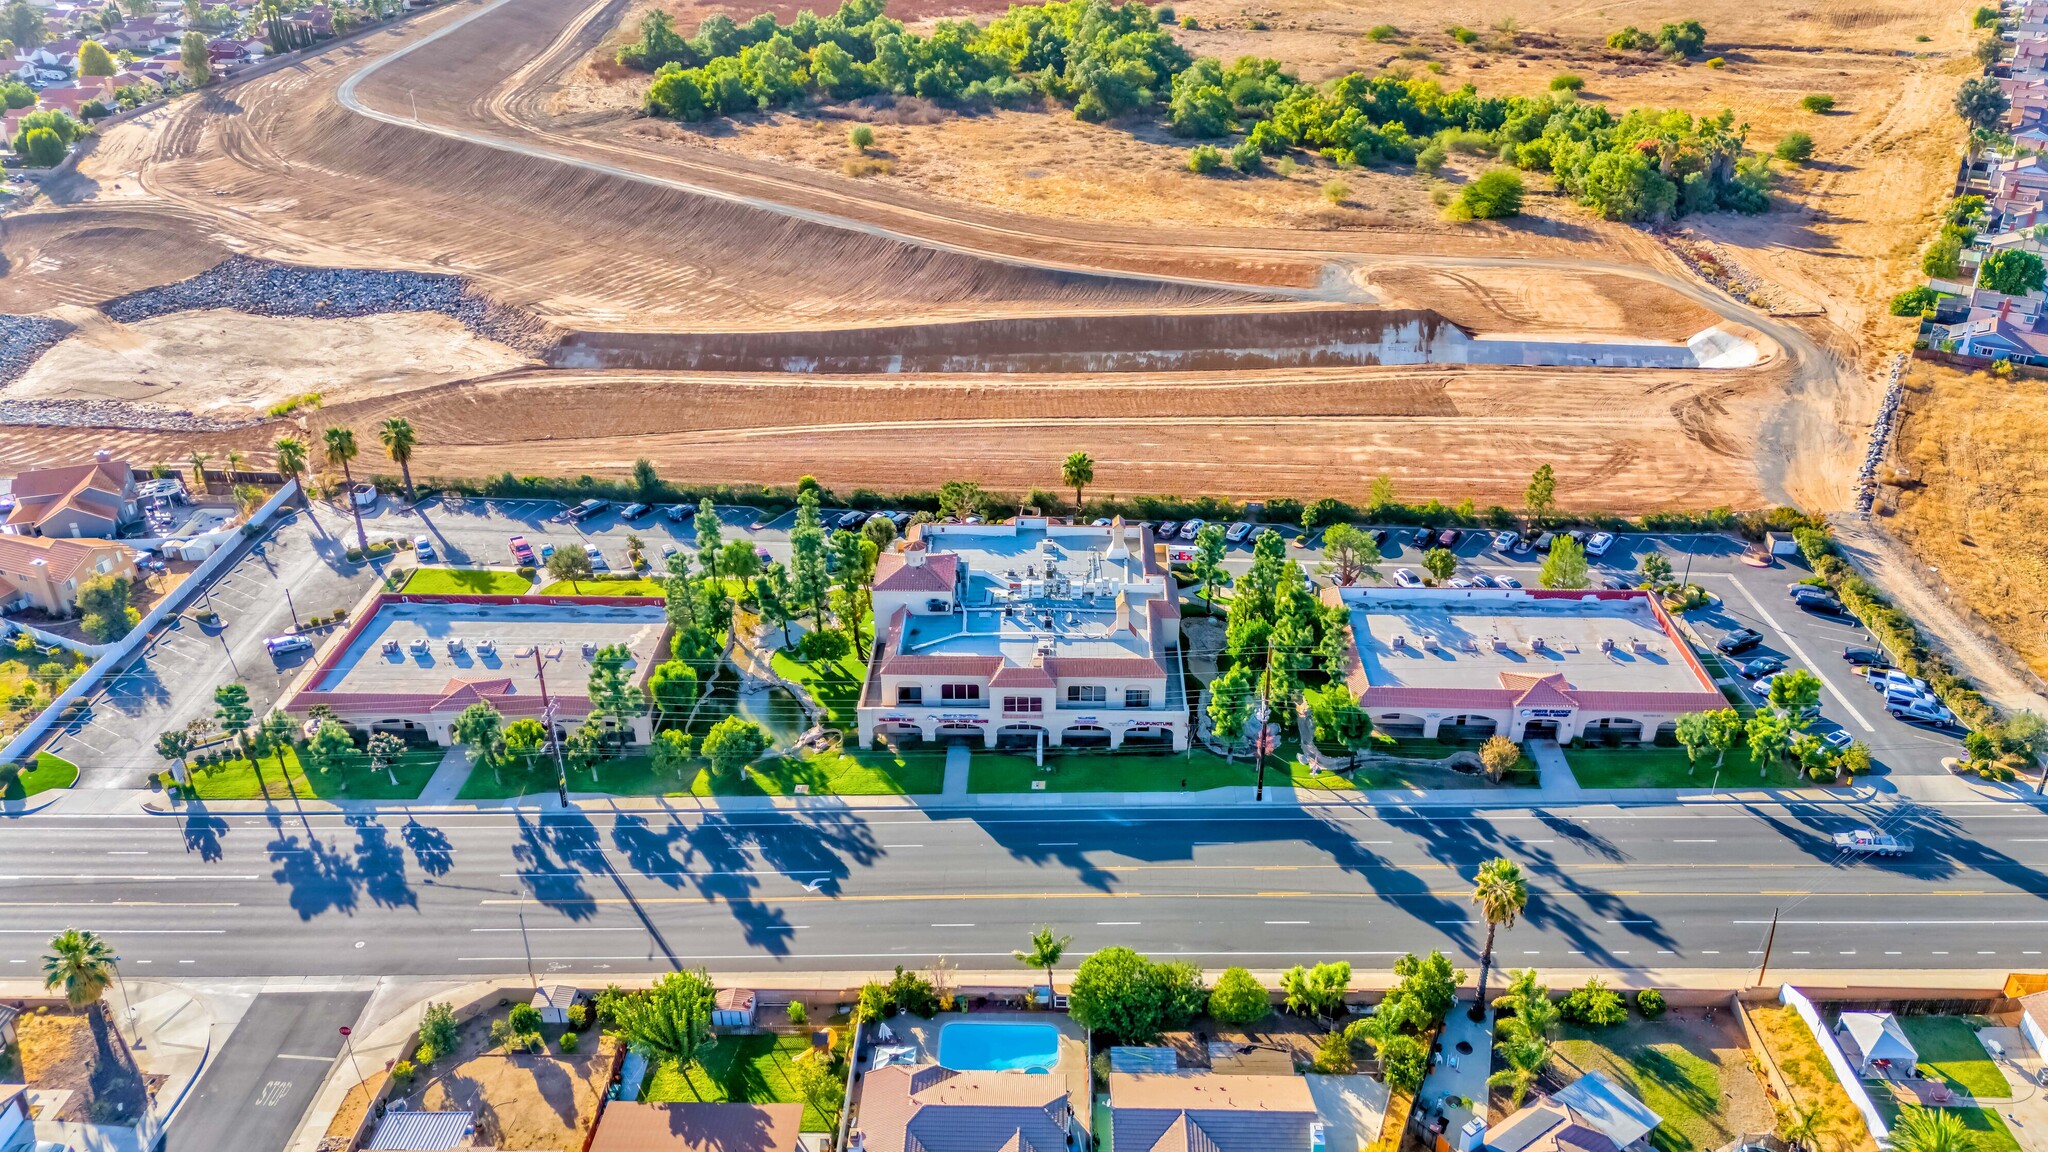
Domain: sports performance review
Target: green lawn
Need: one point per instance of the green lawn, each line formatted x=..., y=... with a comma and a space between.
x=1099, y=770
x=752, y=1069
x=243, y=780
x=1993, y=1135
x=834, y=684
x=638, y=586
x=1681, y=1078
x=466, y=581
x=1949, y=1049
x=1653, y=767
x=828, y=774
x=47, y=772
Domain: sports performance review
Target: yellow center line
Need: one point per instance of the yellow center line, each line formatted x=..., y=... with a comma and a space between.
x=1376, y=897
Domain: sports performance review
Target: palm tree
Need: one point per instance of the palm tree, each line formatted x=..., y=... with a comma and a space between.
x=1525, y=1058
x=1078, y=470
x=1802, y=1126
x=81, y=964
x=199, y=460
x=235, y=458
x=1046, y=950
x=1501, y=894
x=399, y=439
x=341, y=448
x=291, y=456
x=1932, y=1130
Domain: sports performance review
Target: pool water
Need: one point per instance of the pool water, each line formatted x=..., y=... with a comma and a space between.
x=967, y=1046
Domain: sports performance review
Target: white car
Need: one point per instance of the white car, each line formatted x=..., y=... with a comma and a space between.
x=282, y=645
x=1407, y=578
x=1762, y=685
x=423, y=547
x=1507, y=581
x=1460, y=582
x=1237, y=532
x=1890, y=679
x=1191, y=529
x=1504, y=541
x=1598, y=543
x=1838, y=739
x=598, y=563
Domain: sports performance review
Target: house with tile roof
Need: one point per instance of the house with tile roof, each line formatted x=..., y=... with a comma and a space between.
x=1200, y=1111
x=1591, y=1114
x=96, y=498
x=628, y=1126
x=1524, y=663
x=1028, y=634
x=926, y=1108
x=43, y=573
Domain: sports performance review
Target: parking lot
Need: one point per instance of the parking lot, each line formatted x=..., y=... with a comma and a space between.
x=1749, y=597
x=478, y=531
x=298, y=569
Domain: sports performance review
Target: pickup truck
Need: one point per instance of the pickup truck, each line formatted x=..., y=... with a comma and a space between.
x=1866, y=842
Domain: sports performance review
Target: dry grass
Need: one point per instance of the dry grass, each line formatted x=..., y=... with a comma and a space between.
x=1791, y=1045
x=80, y=1054
x=522, y=1101
x=1974, y=504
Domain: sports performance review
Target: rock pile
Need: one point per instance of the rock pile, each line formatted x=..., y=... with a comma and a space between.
x=1881, y=435
x=23, y=340
x=262, y=288
x=111, y=414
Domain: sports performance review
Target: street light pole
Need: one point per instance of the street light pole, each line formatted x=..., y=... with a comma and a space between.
x=294, y=608
x=547, y=713
x=1769, y=939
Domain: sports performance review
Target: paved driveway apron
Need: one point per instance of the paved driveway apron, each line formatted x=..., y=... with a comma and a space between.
x=265, y=1077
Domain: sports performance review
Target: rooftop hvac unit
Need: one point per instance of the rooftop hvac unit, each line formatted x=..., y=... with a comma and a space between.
x=1429, y=643
x=1498, y=644
x=1638, y=645
x=1536, y=644
x=1400, y=643
x=1607, y=643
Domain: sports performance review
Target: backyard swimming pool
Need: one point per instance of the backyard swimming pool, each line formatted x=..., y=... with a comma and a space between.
x=966, y=1046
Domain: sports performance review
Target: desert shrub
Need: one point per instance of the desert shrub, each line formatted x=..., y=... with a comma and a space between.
x=501, y=1033
x=1717, y=63
x=1567, y=83
x=1495, y=195
x=861, y=136
x=1335, y=191
x=403, y=1072
x=567, y=1043
x=437, y=1033
x=1594, y=1005
x=1381, y=33
x=1631, y=39
x=1796, y=148
x=1248, y=157
x=523, y=1018
x=1204, y=159
x=1817, y=103
x=579, y=1017
x=1188, y=21
x=1914, y=301
x=1461, y=34
x=912, y=993
x=1650, y=1003
x=1430, y=159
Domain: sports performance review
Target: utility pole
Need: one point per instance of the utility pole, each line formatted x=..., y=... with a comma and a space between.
x=1768, y=941
x=547, y=719
x=294, y=608
x=1265, y=708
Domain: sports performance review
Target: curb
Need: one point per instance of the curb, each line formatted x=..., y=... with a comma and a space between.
x=60, y=793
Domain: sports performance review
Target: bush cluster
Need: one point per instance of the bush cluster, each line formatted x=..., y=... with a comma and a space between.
x=1594, y=1005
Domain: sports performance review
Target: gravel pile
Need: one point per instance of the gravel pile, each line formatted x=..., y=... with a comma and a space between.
x=262, y=288
x=23, y=340
x=111, y=414
x=1881, y=435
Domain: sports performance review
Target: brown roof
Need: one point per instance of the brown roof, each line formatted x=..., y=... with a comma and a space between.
x=96, y=487
x=894, y=573
x=933, y=1109
x=741, y=999
x=62, y=558
x=1205, y=1112
x=635, y=1127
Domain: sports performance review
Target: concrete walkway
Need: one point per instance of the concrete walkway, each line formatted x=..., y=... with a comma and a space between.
x=449, y=778
x=1461, y=1074
x=958, y=758
x=1555, y=783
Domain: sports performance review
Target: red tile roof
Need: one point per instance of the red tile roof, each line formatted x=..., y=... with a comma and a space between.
x=96, y=487
x=62, y=558
x=938, y=573
x=637, y=1127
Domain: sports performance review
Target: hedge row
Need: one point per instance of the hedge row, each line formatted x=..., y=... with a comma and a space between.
x=1323, y=512
x=1895, y=631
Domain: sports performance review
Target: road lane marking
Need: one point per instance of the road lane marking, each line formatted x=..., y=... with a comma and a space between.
x=1812, y=666
x=121, y=931
x=1117, y=923
x=1906, y=923
x=1695, y=841
x=1286, y=922
x=952, y=925
x=580, y=928
x=296, y=1056
x=902, y=845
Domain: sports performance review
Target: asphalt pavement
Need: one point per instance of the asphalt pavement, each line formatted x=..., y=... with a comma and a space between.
x=256, y=1088
x=1663, y=886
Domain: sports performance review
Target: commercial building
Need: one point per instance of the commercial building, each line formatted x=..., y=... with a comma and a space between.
x=1524, y=663
x=44, y=572
x=411, y=664
x=1026, y=634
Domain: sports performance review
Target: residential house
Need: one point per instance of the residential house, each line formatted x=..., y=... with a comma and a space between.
x=44, y=572
x=1026, y=634
x=1200, y=1111
x=1876, y=1045
x=70, y=98
x=1592, y=1114
x=2028, y=93
x=926, y=1108
x=2018, y=182
x=2034, y=1022
x=93, y=499
x=633, y=1127
x=2001, y=333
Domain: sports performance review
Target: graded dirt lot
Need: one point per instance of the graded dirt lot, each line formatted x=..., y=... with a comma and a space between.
x=1972, y=498
x=493, y=139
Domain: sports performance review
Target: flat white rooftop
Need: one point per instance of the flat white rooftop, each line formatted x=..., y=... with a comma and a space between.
x=423, y=664
x=1076, y=634
x=1458, y=638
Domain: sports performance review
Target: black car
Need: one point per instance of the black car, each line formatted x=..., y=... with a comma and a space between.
x=1379, y=537
x=1740, y=640
x=1761, y=666
x=1865, y=657
x=1422, y=537
x=680, y=512
x=1825, y=605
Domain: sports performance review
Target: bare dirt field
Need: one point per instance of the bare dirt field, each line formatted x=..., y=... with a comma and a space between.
x=1972, y=498
x=221, y=363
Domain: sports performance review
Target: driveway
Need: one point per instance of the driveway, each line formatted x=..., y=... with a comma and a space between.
x=262, y=1080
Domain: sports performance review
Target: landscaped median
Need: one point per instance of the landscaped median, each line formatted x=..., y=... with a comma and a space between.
x=42, y=774
x=268, y=779
x=879, y=773
x=1655, y=767
x=466, y=582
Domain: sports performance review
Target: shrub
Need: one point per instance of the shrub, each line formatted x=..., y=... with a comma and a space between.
x=1381, y=33
x=913, y=993
x=1461, y=34
x=1430, y=159
x=1496, y=195
x=1795, y=148
x=437, y=1032
x=1984, y=17
x=1650, y=1003
x=1915, y=301
x=1717, y=63
x=403, y=1072
x=796, y=1013
x=1239, y=998
x=1335, y=191
x=523, y=1018
x=1248, y=157
x=1594, y=1005
x=1204, y=159
x=501, y=1033
x=1334, y=1057
x=1818, y=103
x=1498, y=755
x=567, y=1043
x=1567, y=83
x=861, y=137
x=1190, y=22
x=579, y=1017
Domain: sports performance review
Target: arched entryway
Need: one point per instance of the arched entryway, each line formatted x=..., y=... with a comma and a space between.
x=1025, y=736
x=1085, y=736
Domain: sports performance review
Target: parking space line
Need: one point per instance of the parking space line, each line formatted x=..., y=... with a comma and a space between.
x=1801, y=653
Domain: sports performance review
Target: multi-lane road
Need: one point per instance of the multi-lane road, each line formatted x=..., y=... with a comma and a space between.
x=1664, y=887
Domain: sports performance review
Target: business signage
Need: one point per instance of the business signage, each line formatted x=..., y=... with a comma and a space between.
x=1545, y=713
